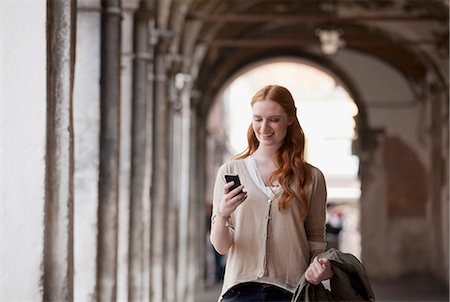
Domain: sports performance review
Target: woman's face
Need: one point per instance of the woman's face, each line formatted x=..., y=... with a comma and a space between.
x=270, y=123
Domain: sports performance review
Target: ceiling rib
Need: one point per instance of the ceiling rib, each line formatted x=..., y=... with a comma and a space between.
x=253, y=18
x=299, y=42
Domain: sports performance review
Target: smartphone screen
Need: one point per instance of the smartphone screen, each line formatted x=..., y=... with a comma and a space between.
x=235, y=178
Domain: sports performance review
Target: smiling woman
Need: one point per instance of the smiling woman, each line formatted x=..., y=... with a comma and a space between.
x=327, y=115
x=244, y=225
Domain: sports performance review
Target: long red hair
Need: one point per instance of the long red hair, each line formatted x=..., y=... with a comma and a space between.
x=293, y=173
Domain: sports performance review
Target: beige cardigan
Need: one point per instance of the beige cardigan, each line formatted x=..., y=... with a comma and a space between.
x=268, y=243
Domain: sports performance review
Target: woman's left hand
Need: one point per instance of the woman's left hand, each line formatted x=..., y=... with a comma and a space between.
x=318, y=270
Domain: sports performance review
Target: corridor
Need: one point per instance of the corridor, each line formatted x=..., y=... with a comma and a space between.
x=115, y=116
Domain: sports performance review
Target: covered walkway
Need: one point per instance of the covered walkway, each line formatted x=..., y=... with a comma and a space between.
x=112, y=129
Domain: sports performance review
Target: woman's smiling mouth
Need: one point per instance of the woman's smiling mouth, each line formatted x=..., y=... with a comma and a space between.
x=266, y=134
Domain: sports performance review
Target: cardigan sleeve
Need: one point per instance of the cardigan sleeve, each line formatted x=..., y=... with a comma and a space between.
x=315, y=219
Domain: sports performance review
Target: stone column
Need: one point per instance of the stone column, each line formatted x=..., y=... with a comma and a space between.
x=373, y=203
x=126, y=91
x=109, y=150
x=160, y=173
x=199, y=201
x=175, y=134
x=139, y=215
x=58, y=248
x=184, y=193
x=192, y=223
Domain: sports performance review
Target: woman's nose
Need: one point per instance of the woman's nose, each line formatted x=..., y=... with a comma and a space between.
x=265, y=125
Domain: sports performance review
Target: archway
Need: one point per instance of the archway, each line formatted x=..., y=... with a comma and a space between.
x=328, y=115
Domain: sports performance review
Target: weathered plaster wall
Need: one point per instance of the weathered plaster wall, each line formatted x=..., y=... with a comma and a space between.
x=23, y=98
x=387, y=97
x=86, y=111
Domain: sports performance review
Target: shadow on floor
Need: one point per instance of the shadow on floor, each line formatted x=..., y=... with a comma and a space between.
x=409, y=288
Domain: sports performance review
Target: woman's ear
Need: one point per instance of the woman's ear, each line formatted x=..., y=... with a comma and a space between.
x=290, y=121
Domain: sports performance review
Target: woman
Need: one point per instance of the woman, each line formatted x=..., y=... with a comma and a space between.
x=272, y=229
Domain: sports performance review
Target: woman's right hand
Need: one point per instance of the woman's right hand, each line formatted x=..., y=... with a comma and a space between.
x=231, y=199
x=221, y=236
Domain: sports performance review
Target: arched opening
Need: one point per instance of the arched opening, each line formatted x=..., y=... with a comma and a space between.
x=328, y=115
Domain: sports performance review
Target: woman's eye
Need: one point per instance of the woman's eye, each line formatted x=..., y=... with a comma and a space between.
x=275, y=120
x=257, y=119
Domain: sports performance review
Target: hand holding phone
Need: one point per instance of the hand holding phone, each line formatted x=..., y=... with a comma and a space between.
x=235, y=179
x=229, y=202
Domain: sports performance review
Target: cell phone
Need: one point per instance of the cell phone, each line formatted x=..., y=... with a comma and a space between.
x=235, y=178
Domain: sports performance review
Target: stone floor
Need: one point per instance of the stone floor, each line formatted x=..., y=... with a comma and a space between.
x=410, y=288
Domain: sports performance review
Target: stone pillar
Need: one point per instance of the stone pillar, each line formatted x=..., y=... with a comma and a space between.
x=373, y=204
x=197, y=223
x=160, y=174
x=200, y=214
x=184, y=193
x=176, y=132
x=393, y=220
x=58, y=248
x=147, y=202
x=126, y=91
x=192, y=221
x=139, y=215
x=109, y=150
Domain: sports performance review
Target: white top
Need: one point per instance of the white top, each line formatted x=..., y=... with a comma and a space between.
x=250, y=164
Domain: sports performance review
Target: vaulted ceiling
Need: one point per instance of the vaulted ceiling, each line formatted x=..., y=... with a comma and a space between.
x=217, y=37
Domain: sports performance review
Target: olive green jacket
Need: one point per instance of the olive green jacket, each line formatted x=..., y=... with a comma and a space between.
x=349, y=281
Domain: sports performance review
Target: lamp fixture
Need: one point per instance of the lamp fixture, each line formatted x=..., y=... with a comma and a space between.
x=330, y=40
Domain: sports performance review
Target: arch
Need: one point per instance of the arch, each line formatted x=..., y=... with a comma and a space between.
x=336, y=175
x=320, y=62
